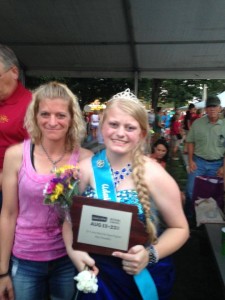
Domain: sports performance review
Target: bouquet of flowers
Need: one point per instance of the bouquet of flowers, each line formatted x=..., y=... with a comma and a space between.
x=61, y=189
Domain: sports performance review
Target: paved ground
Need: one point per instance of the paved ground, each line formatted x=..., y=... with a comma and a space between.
x=196, y=274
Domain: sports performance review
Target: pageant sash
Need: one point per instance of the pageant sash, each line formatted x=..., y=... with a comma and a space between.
x=105, y=190
x=146, y=285
x=104, y=183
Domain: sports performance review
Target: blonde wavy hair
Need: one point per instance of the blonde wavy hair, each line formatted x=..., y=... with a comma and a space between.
x=136, y=110
x=53, y=90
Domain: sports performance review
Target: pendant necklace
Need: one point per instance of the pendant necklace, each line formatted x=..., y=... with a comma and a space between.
x=54, y=162
x=119, y=175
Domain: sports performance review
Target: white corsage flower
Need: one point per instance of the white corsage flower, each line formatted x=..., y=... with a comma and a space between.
x=86, y=282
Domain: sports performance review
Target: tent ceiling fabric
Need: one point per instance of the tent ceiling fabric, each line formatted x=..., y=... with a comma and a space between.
x=117, y=38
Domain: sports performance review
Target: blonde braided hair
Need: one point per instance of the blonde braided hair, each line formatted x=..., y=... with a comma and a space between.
x=142, y=190
x=139, y=113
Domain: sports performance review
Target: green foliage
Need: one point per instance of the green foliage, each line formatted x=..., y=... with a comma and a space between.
x=180, y=91
x=87, y=89
x=214, y=87
x=172, y=92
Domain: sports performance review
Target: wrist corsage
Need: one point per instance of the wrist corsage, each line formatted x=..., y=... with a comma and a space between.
x=86, y=281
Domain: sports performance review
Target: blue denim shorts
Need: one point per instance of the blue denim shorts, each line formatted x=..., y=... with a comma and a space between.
x=43, y=280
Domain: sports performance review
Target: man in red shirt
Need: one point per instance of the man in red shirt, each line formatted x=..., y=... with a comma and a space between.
x=14, y=99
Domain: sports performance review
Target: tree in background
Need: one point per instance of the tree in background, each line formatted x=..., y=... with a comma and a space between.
x=175, y=92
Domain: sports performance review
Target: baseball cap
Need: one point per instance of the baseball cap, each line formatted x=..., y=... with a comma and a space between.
x=212, y=101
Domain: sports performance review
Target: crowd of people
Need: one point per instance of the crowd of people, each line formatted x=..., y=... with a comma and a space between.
x=43, y=130
x=202, y=133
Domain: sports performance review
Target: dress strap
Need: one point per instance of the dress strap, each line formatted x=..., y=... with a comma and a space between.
x=74, y=158
x=27, y=152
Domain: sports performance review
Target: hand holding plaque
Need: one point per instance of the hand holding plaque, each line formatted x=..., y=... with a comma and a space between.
x=101, y=226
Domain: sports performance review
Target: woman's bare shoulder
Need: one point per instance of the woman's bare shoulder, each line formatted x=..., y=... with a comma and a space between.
x=85, y=153
x=85, y=169
x=150, y=161
x=15, y=150
x=13, y=157
x=153, y=169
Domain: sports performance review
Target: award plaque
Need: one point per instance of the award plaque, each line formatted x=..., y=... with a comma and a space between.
x=101, y=226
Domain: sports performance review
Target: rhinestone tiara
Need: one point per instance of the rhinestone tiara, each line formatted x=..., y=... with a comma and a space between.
x=126, y=95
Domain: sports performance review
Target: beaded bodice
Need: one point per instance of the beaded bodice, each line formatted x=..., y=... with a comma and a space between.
x=123, y=196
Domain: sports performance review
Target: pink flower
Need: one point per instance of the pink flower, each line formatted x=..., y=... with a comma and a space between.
x=50, y=187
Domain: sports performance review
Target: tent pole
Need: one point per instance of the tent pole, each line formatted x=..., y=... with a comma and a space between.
x=136, y=83
x=204, y=95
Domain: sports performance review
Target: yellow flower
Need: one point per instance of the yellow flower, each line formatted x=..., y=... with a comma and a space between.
x=53, y=198
x=59, y=189
x=61, y=170
x=57, y=192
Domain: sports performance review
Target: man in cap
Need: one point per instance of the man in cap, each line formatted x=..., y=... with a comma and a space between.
x=206, y=146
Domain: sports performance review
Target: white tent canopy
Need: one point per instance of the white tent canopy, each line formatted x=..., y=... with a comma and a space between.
x=222, y=98
x=117, y=39
x=201, y=104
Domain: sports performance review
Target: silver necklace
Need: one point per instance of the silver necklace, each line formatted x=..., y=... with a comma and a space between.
x=119, y=175
x=54, y=162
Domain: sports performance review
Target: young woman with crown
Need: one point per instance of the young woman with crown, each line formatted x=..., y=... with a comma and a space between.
x=145, y=271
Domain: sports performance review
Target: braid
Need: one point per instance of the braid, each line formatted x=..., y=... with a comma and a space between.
x=143, y=194
x=133, y=107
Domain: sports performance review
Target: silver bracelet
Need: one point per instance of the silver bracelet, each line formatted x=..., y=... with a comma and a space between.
x=153, y=255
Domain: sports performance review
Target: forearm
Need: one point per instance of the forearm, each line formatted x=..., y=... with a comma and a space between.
x=79, y=258
x=67, y=236
x=10, y=206
x=7, y=230
x=190, y=147
x=0, y=180
x=68, y=241
x=171, y=240
x=189, y=124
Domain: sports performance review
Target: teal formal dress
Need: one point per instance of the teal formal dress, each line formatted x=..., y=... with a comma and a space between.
x=113, y=282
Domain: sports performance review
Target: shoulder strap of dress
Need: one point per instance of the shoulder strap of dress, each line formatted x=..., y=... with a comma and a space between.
x=74, y=157
x=26, y=156
x=26, y=148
